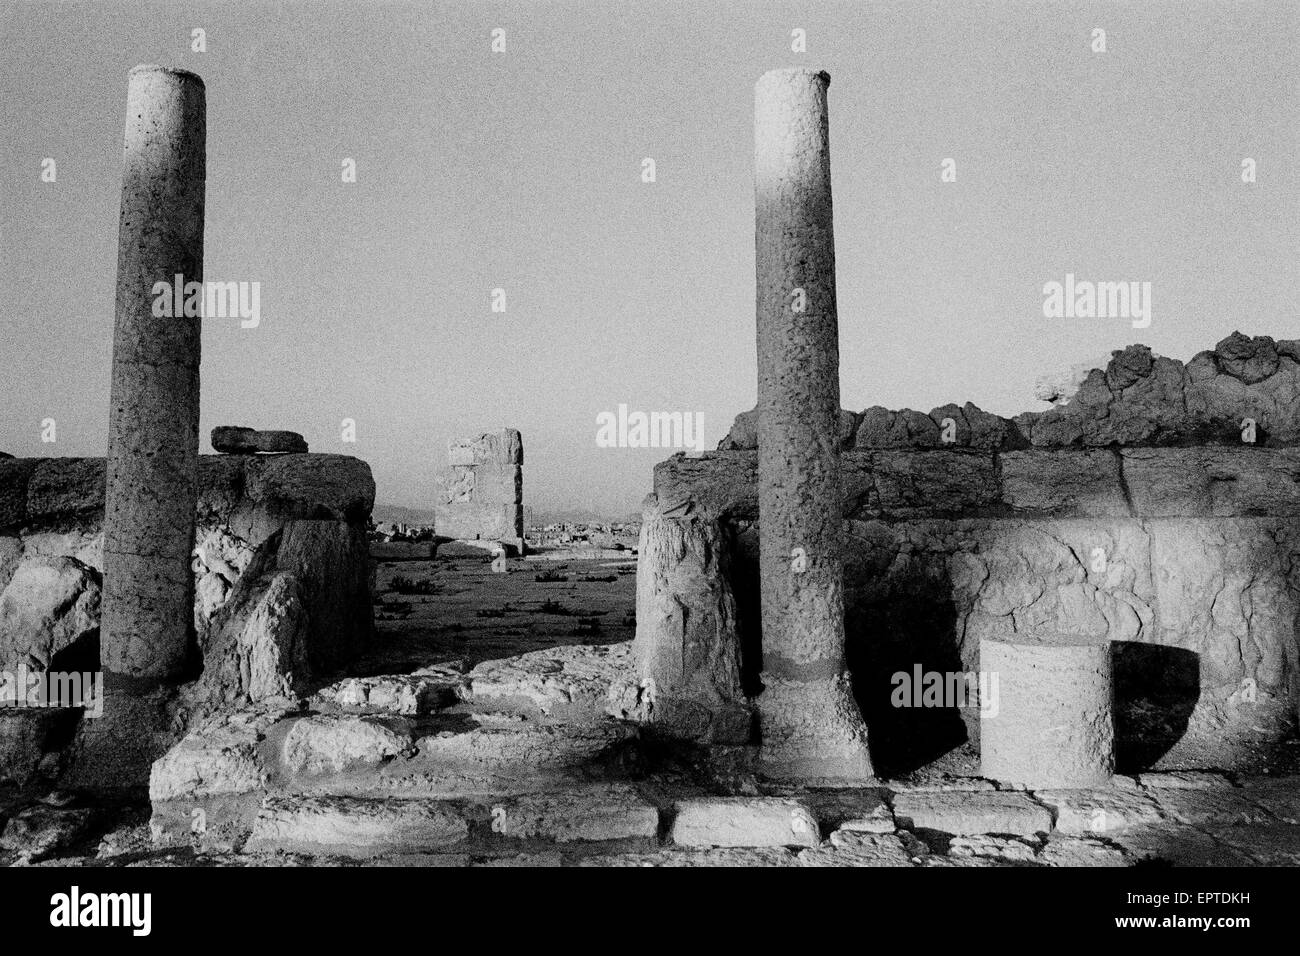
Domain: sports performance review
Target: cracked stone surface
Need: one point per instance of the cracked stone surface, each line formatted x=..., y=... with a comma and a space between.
x=744, y=821
x=1180, y=845
x=1081, y=851
x=352, y=827
x=403, y=694
x=972, y=813
x=1217, y=806
x=335, y=743
x=858, y=849
x=558, y=682
x=598, y=813
x=1100, y=812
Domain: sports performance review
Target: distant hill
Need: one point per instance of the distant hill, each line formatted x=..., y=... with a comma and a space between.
x=578, y=516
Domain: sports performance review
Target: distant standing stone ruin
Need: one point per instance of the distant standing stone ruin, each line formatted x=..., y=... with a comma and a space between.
x=481, y=493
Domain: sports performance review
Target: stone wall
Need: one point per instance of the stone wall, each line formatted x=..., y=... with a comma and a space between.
x=281, y=581
x=1183, y=551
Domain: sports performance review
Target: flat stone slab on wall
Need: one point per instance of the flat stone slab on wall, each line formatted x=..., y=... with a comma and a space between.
x=38, y=494
x=1063, y=483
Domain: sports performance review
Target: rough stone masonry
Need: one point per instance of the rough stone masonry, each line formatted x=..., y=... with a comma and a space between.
x=810, y=722
x=481, y=493
x=153, y=444
x=1139, y=513
x=281, y=594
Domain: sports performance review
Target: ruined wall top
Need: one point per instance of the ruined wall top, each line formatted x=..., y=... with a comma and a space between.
x=69, y=492
x=1138, y=399
x=504, y=447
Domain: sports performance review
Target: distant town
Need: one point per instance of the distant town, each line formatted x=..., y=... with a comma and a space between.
x=578, y=535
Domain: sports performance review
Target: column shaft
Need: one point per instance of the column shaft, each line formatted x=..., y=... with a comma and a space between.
x=810, y=723
x=153, y=439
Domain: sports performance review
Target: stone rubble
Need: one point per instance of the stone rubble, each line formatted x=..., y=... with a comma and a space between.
x=1135, y=398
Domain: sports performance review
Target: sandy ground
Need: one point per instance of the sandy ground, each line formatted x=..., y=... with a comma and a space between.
x=472, y=613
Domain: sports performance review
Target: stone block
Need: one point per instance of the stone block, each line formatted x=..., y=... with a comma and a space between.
x=964, y=814
x=744, y=822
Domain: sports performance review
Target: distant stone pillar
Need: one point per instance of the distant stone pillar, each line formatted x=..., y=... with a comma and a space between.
x=153, y=441
x=1049, y=723
x=810, y=722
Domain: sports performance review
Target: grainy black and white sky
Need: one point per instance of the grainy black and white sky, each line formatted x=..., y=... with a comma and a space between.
x=522, y=170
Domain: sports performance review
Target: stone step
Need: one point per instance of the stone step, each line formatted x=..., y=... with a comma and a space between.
x=347, y=826
x=368, y=754
x=505, y=754
x=210, y=787
x=744, y=822
x=604, y=816
x=972, y=813
x=557, y=684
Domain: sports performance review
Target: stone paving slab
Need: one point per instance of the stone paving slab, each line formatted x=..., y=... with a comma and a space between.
x=559, y=682
x=1081, y=851
x=1278, y=795
x=597, y=813
x=1001, y=849
x=743, y=822
x=974, y=812
x=347, y=826
x=1210, y=806
x=1184, y=780
x=845, y=849
x=1276, y=844
x=715, y=857
x=942, y=785
x=510, y=749
x=549, y=858
x=1096, y=812
x=865, y=811
x=1179, y=845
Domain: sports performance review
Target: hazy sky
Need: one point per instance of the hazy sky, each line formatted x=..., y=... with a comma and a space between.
x=522, y=170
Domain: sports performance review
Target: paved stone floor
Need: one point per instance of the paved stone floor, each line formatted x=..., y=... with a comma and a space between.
x=1192, y=819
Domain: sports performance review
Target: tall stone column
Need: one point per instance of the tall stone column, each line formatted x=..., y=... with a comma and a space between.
x=153, y=427
x=810, y=723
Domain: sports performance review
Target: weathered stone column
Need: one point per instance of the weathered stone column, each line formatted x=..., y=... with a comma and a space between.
x=1050, y=724
x=687, y=648
x=153, y=427
x=810, y=723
